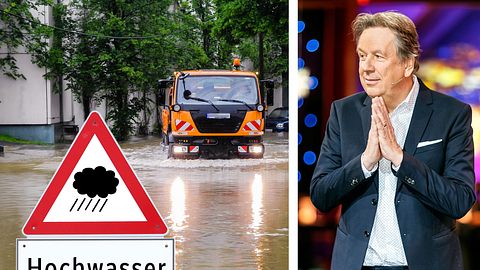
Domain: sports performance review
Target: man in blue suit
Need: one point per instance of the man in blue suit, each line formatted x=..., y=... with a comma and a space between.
x=398, y=158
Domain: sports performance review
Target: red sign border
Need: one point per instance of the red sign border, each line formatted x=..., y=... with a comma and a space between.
x=95, y=125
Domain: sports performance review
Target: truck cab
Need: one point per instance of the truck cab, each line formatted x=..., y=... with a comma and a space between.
x=214, y=114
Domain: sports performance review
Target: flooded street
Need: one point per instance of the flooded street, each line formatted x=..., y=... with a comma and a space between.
x=223, y=214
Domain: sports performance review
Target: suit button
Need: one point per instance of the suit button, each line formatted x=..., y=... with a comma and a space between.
x=366, y=233
x=354, y=181
x=409, y=180
x=374, y=202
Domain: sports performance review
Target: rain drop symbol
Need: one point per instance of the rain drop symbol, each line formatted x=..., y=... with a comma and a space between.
x=94, y=182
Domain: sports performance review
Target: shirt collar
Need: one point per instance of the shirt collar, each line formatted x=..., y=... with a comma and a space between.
x=409, y=101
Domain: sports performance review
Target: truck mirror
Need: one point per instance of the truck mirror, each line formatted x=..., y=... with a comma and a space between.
x=161, y=96
x=267, y=91
x=187, y=94
x=162, y=84
x=270, y=96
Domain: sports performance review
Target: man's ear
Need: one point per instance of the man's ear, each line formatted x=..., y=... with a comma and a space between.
x=409, y=66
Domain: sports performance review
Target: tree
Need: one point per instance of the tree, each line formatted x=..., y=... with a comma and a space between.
x=20, y=28
x=123, y=51
x=106, y=54
x=264, y=23
x=117, y=57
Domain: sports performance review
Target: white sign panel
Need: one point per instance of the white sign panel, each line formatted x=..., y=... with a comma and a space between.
x=71, y=206
x=95, y=254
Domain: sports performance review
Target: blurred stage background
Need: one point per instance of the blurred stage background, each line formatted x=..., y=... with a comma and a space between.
x=450, y=62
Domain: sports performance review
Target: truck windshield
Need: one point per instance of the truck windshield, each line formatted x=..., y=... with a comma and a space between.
x=219, y=89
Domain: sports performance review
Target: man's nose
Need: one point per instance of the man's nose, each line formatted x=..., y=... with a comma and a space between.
x=368, y=64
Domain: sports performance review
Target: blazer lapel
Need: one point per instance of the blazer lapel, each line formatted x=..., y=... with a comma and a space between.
x=366, y=115
x=421, y=115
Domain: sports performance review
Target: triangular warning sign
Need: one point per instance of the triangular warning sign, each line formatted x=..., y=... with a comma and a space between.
x=95, y=191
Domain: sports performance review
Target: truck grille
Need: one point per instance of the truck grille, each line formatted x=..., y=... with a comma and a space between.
x=231, y=125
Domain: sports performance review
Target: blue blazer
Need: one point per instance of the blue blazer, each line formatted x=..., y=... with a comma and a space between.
x=435, y=182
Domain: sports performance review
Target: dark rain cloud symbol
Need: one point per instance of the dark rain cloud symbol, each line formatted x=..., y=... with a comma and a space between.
x=94, y=182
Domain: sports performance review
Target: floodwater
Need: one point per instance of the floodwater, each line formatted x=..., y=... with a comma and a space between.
x=223, y=214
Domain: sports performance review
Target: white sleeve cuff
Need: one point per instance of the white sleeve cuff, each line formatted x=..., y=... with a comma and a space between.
x=395, y=168
x=368, y=173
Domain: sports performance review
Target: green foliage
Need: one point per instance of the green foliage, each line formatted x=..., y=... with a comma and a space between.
x=122, y=65
x=240, y=22
x=117, y=50
x=20, y=28
x=10, y=139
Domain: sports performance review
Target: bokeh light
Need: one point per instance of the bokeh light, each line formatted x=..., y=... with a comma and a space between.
x=312, y=82
x=301, y=63
x=300, y=102
x=310, y=120
x=309, y=157
x=301, y=26
x=307, y=213
x=312, y=45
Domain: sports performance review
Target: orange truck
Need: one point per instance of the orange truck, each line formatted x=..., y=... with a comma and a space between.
x=214, y=113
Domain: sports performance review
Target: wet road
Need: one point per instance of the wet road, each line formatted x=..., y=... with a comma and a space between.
x=223, y=214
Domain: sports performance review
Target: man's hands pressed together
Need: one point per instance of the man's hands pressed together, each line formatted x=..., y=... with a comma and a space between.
x=381, y=138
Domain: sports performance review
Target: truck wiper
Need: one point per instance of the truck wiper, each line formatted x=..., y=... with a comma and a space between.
x=203, y=100
x=236, y=101
x=187, y=94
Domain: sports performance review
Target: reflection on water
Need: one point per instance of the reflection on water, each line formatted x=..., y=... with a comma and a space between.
x=177, y=216
x=257, y=193
x=218, y=211
x=177, y=197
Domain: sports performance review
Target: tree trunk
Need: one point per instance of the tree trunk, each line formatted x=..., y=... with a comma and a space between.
x=86, y=101
x=260, y=56
x=285, y=79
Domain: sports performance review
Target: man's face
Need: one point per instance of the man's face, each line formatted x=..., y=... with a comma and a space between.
x=379, y=68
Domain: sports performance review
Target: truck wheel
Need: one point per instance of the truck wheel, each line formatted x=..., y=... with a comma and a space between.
x=165, y=139
x=170, y=151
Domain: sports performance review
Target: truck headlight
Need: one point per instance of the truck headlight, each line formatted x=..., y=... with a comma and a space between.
x=279, y=125
x=256, y=149
x=180, y=149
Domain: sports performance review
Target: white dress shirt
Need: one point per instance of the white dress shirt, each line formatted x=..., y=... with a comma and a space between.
x=385, y=247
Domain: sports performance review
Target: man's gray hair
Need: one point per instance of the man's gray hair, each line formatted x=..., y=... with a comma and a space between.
x=406, y=36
